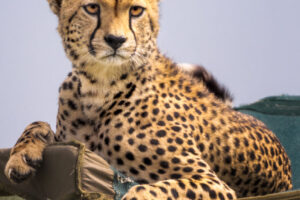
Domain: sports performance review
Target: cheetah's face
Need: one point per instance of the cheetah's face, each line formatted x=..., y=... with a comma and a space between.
x=107, y=32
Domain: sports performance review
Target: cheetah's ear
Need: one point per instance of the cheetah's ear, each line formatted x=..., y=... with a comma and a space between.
x=55, y=6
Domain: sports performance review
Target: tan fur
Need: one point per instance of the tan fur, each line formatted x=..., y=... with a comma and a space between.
x=149, y=118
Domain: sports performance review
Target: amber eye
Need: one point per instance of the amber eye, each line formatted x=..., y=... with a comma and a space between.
x=92, y=8
x=136, y=11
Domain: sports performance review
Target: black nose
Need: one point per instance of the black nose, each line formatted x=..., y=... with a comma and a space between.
x=114, y=41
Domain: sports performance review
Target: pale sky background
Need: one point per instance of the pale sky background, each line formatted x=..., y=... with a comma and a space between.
x=251, y=46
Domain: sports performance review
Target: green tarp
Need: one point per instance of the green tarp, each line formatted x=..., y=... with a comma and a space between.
x=73, y=172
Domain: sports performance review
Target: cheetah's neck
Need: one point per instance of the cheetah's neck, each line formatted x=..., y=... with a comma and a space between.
x=101, y=85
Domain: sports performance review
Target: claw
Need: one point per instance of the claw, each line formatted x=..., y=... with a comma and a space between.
x=16, y=177
x=9, y=172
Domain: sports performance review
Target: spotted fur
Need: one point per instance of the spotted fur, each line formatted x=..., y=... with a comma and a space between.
x=146, y=116
x=209, y=81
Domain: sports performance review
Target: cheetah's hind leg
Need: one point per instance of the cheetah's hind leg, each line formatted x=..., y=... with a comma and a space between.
x=206, y=188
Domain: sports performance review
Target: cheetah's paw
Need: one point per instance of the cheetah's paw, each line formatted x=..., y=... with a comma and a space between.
x=23, y=163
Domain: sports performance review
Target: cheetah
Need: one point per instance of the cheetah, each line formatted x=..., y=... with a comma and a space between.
x=147, y=117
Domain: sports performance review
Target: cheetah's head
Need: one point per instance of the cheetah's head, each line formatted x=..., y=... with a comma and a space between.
x=107, y=33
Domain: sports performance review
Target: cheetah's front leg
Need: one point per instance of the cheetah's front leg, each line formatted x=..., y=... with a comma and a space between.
x=26, y=155
x=206, y=188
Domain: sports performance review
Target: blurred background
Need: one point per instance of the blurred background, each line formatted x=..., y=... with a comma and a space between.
x=251, y=46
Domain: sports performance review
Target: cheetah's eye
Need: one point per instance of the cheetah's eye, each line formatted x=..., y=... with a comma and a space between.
x=136, y=11
x=92, y=8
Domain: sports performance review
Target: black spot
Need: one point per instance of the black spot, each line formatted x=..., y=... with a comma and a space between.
x=164, y=164
x=121, y=103
x=175, y=160
x=275, y=166
x=252, y=155
x=226, y=149
x=142, y=167
x=241, y=157
x=186, y=107
x=212, y=194
x=131, y=130
x=162, y=85
x=144, y=114
x=142, y=148
x=167, y=105
x=197, y=177
x=129, y=156
x=229, y=196
x=155, y=101
x=228, y=160
x=117, y=112
x=141, y=135
x=205, y=187
x=130, y=141
x=139, y=188
x=179, y=141
x=193, y=185
x=129, y=94
x=246, y=143
x=118, y=95
x=187, y=169
x=112, y=105
x=201, y=147
x=120, y=161
x=107, y=121
x=147, y=161
x=134, y=171
x=161, y=133
x=213, y=128
x=257, y=168
x=163, y=190
x=154, y=176
x=201, y=164
x=119, y=125
x=174, y=193
x=204, y=108
x=102, y=114
x=72, y=105
x=160, y=151
x=176, y=128
x=153, y=193
x=236, y=142
x=175, y=176
x=172, y=148
x=188, y=89
x=137, y=102
x=106, y=141
x=169, y=118
x=181, y=184
x=123, y=77
x=191, y=117
x=154, y=142
x=246, y=170
x=155, y=111
x=117, y=148
x=190, y=194
x=144, y=107
x=161, y=123
x=176, y=115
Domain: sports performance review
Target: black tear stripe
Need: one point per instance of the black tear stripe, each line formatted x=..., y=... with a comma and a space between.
x=130, y=27
x=91, y=47
x=72, y=17
x=151, y=23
